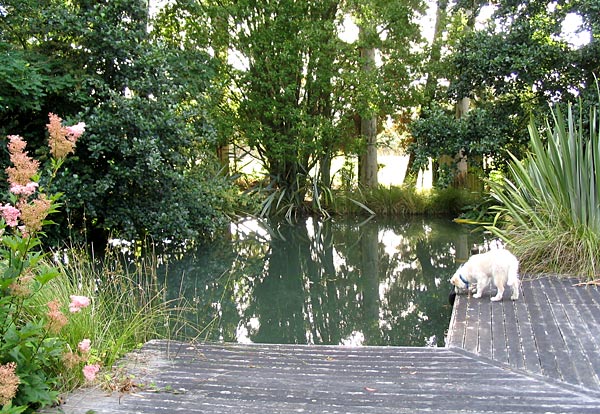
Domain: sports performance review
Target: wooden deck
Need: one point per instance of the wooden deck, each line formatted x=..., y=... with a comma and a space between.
x=552, y=330
x=537, y=355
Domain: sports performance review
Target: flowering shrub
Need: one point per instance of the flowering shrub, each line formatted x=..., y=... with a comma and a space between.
x=33, y=356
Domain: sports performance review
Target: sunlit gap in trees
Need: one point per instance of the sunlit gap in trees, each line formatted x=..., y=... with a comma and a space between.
x=573, y=31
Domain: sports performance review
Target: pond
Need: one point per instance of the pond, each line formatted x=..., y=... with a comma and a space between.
x=334, y=282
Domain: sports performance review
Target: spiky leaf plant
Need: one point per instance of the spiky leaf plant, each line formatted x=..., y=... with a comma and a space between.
x=549, y=210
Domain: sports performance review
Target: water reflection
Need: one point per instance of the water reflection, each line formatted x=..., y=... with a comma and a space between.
x=334, y=282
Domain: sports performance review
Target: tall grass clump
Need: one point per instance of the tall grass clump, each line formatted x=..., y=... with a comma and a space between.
x=403, y=201
x=127, y=308
x=549, y=210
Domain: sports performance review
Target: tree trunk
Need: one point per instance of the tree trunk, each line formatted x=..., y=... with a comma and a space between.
x=436, y=53
x=460, y=180
x=462, y=108
x=368, y=160
x=368, y=167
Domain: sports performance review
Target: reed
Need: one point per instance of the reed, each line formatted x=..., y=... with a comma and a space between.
x=128, y=305
x=403, y=201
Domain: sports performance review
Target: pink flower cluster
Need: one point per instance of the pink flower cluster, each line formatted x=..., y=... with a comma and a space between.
x=90, y=371
x=24, y=190
x=10, y=214
x=62, y=139
x=24, y=171
x=84, y=346
x=78, y=303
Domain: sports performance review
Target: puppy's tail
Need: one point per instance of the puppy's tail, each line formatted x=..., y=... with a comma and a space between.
x=513, y=274
x=513, y=278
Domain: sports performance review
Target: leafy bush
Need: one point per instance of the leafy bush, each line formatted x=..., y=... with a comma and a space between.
x=145, y=175
x=42, y=350
x=549, y=201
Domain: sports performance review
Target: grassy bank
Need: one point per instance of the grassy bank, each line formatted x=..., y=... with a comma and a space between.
x=402, y=201
x=128, y=307
x=548, y=204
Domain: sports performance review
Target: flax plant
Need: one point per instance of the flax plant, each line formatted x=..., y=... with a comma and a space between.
x=549, y=211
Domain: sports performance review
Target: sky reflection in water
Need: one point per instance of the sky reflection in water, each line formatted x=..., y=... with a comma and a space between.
x=337, y=282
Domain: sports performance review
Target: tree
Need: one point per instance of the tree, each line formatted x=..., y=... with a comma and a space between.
x=368, y=42
x=286, y=107
x=389, y=30
x=148, y=148
x=509, y=69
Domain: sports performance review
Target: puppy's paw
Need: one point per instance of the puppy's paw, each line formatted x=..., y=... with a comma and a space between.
x=496, y=299
x=477, y=295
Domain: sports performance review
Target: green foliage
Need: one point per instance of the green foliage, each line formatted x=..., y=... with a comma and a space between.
x=287, y=109
x=403, y=201
x=146, y=167
x=509, y=69
x=549, y=202
x=481, y=134
x=141, y=151
x=300, y=87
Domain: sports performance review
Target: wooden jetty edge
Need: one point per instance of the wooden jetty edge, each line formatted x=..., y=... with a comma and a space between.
x=537, y=355
x=552, y=330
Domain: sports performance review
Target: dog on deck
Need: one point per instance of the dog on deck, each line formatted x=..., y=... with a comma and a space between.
x=498, y=265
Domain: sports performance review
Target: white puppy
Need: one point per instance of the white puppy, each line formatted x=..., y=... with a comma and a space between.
x=498, y=265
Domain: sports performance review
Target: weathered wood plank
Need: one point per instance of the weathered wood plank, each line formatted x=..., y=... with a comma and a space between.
x=512, y=335
x=586, y=331
x=526, y=333
x=471, y=342
x=484, y=339
x=458, y=322
x=499, y=340
x=567, y=316
x=539, y=325
x=217, y=378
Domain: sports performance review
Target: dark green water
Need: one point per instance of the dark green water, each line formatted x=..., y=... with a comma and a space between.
x=382, y=282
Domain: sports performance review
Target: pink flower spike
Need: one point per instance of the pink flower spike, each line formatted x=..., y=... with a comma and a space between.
x=85, y=345
x=11, y=214
x=90, y=371
x=25, y=190
x=78, y=302
x=76, y=130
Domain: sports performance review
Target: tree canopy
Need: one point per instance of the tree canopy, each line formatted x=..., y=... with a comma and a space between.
x=145, y=167
x=167, y=92
x=511, y=67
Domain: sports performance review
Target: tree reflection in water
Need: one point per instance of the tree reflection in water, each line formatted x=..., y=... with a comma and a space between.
x=334, y=282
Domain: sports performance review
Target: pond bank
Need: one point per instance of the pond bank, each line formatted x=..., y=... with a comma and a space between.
x=549, y=364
